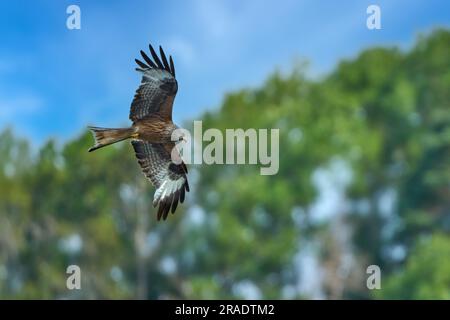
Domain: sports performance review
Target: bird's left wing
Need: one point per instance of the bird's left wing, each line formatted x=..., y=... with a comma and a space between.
x=158, y=87
x=169, y=178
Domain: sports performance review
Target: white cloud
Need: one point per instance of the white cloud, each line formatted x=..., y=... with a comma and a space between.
x=18, y=101
x=11, y=106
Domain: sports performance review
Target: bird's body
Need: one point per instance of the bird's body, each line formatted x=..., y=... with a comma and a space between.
x=154, y=130
x=153, y=133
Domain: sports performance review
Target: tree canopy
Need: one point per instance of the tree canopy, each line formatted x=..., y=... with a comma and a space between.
x=363, y=179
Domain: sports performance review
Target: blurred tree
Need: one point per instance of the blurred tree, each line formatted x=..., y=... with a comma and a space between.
x=363, y=179
x=421, y=279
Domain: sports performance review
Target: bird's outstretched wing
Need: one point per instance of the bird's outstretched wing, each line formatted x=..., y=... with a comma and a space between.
x=158, y=87
x=169, y=178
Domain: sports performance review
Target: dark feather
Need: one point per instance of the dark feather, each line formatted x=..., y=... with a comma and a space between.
x=148, y=60
x=182, y=195
x=175, y=201
x=155, y=57
x=160, y=211
x=164, y=59
x=172, y=66
x=141, y=64
x=167, y=207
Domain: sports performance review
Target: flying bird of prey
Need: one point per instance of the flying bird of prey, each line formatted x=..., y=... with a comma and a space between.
x=151, y=132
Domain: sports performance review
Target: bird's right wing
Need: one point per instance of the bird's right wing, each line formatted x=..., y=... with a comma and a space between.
x=158, y=87
x=169, y=178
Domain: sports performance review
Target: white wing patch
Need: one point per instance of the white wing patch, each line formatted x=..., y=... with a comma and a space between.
x=167, y=189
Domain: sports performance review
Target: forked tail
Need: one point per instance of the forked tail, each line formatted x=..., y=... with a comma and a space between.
x=105, y=136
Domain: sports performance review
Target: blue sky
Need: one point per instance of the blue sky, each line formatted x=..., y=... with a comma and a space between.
x=55, y=81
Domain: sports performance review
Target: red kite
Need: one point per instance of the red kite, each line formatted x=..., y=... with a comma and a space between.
x=151, y=132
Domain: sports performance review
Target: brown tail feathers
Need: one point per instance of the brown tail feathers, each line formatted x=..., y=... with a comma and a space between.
x=106, y=136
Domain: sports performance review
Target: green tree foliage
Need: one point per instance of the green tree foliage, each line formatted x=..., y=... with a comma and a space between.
x=383, y=117
x=426, y=274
